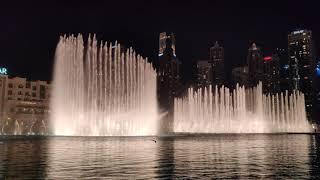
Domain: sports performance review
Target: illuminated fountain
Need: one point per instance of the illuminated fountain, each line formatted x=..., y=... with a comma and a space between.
x=240, y=111
x=102, y=90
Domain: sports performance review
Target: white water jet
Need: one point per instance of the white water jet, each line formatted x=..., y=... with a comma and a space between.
x=101, y=90
x=17, y=128
x=240, y=111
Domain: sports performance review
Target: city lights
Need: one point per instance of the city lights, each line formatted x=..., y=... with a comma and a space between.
x=3, y=71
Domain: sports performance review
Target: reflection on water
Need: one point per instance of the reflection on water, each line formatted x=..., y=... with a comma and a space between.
x=220, y=156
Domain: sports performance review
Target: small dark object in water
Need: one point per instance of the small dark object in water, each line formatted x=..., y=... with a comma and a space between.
x=154, y=141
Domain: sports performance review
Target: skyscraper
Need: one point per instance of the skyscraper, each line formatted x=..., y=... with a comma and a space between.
x=217, y=62
x=271, y=82
x=317, y=93
x=204, y=73
x=168, y=78
x=255, y=65
x=163, y=37
x=301, y=64
x=240, y=76
x=168, y=71
x=285, y=78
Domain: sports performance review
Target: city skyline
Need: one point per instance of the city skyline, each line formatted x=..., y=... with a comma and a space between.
x=26, y=53
x=159, y=89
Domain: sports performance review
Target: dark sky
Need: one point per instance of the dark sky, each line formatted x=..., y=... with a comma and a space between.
x=30, y=30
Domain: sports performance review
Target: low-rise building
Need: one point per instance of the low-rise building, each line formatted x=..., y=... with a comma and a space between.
x=24, y=105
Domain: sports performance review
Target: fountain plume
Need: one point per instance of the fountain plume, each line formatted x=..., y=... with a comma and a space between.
x=100, y=90
x=243, y=111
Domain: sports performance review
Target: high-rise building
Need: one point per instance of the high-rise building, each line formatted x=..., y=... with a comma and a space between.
x=301, y=64
x=317, y=93
x=168, y=79
x=255, y=65
x=163, y=38
x=217, y=62
x=271, y=82
x=285, y=78
x=240, y=75
x=204, y=73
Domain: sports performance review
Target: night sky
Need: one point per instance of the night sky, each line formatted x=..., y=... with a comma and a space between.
x=30, y=30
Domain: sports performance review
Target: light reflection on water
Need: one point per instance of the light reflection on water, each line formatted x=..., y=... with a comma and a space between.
x=219, y=156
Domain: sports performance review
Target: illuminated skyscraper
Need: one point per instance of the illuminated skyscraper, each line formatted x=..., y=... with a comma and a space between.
x=255, y=65
x=168, y=78
x=285, y=78
x=301, y=64
x=217, y=62
x=163, y=37
x=204, y=73
x=271, y=82
x=317, y=93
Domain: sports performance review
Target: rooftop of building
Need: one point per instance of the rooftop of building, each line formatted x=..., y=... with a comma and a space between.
x=16, y=78
x=203, y=62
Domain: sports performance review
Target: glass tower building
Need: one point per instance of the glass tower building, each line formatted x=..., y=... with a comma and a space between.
x=301, y=64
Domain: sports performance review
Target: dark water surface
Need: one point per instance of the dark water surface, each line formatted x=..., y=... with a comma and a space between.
x=216, y=156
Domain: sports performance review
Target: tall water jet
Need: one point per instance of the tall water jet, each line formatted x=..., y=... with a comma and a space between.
x=241, y=111
x=102, y=90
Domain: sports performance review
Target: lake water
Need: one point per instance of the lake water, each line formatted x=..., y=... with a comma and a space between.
x=216, y=156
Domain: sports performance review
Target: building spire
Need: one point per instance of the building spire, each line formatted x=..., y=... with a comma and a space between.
x=254, y=46
x=216, y=44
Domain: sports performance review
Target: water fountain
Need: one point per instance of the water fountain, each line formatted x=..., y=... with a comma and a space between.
x=102, y=90
x=240, y=111
x=17, y=128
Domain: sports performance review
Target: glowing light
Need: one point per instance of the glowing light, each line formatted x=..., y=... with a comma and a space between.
x=3, y=71
x=267, y=58
x=298, y=32
x=318, y=71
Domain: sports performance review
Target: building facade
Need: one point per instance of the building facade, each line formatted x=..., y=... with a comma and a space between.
x=284, y=69
x=271, y=82
x=168, y=79
x=317, y=93
x=24, y=105
x=300, y=51
x=240, y=75
x=204, y=74
x=217, y=63
x=163, y=38
x=255, y=64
